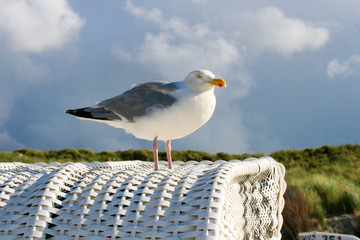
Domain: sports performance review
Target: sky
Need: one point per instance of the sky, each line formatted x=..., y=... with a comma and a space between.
x=292, y=70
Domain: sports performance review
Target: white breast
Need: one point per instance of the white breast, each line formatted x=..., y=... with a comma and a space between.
x=177, y=121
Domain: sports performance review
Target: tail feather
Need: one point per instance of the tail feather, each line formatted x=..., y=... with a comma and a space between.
x=94, y=113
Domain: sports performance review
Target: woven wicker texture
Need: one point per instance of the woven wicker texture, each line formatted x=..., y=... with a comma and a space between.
x=128, y=200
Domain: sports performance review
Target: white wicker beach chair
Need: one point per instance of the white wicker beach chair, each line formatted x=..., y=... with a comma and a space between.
x=128, y=200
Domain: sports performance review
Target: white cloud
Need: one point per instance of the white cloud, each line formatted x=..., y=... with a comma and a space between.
x=29, y=26
x=270, y=30
x=179, y=47
x=154, y=14
x=33, y=26
x=180, y=43
x=121, y=54
x=345, y=68
x=163, y=53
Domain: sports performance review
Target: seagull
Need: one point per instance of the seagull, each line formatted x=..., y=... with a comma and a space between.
x=159, y=110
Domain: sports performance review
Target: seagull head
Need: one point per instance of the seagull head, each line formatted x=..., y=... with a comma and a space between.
x=203, y=80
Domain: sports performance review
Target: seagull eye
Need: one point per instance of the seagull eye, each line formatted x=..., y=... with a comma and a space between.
x=199, y=76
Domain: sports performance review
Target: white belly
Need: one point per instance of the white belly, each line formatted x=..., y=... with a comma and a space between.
x=177, y=121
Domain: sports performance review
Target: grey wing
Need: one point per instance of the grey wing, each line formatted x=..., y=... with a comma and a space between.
x=140, y=99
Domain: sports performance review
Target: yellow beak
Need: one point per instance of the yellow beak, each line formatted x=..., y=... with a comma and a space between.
x=218, y=82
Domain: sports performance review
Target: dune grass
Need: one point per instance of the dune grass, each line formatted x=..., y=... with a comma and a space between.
x=326, y=193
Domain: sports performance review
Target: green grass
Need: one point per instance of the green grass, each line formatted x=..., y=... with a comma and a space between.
x=328, y=177
x=326, y=192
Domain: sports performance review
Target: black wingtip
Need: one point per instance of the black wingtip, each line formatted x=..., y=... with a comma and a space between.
x=75, y=112
x=80, y=112
x=94, y=113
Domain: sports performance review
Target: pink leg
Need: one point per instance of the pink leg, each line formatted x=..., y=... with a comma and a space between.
x=155, y=150
x=168, y=153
